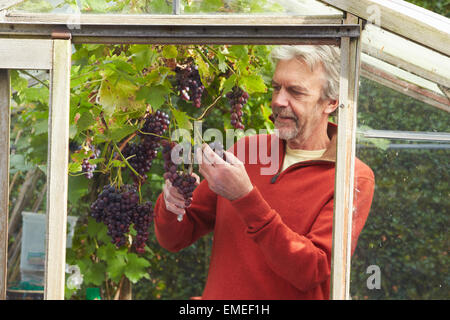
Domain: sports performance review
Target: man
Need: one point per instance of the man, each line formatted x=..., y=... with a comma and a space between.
x=273, y=233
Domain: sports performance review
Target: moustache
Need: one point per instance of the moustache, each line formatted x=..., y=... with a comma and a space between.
x=285, y=113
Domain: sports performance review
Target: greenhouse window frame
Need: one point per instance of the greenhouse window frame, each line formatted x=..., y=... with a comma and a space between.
x=175, y=29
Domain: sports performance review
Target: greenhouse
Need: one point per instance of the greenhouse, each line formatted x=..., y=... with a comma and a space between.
x=84, y=84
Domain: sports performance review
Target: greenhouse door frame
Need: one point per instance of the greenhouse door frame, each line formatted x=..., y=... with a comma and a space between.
x=54, y=53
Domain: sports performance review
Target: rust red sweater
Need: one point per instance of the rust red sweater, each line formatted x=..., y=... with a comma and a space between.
x=275, y=242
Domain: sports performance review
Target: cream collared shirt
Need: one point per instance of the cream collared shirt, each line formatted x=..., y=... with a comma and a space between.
x=296, y=155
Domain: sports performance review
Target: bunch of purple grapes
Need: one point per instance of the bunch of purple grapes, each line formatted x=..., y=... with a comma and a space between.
x=183, y=181
x=143, y=153
x=237, y=99
x=189, y=84
x=142, y=217
x=117, y=209
x=88, y=167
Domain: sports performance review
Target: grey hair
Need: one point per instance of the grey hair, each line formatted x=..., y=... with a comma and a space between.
x=329, y=56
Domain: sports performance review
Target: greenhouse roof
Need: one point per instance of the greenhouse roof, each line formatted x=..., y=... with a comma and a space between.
x=404, y=47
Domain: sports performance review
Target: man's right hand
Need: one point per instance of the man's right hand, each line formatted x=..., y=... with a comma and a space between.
x=173, y=199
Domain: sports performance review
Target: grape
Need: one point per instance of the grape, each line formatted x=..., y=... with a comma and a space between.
x=88, y=167
x=189, y=84
x=117, y=209
x=143, y=152
x=237, y=99
x=183, y=181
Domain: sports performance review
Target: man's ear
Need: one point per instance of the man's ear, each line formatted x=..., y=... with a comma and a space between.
x=330, y=106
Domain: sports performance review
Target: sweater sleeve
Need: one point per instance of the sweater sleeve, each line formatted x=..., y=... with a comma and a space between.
x=199, y=220
x=303, y=260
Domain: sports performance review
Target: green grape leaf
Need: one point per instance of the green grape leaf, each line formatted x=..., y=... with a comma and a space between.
x=170, y=51
x=117, y=93
x=94, y=273
x=253, y=83
x=85, y=121
x=182, y=119
x=229, y=83
x=17, y=82
x=78, y=187
x=155, y=95
x=136, y=268
x=240, y=52
x=74, y=167
x=119, y=131
x=41, y=126
x=143, y=56
x=116, y=266
x=222, y=62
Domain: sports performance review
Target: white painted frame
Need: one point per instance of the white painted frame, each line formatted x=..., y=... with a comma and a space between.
x=405, y=19
x=53, y=55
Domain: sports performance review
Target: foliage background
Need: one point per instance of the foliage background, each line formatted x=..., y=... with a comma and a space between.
x=405, y=235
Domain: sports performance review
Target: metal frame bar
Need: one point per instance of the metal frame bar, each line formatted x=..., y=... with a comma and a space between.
x=406, y=135
x=192, y=34
x=422, y=94
x=345, y=162
x=57, y=168
x=28, y=53
x=168, y=20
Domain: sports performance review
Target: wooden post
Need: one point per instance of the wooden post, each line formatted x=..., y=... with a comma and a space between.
x=57, y=166
x=5, y=100
x=345, y=159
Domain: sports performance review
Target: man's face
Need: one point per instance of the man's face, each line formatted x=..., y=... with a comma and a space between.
x=296, y=102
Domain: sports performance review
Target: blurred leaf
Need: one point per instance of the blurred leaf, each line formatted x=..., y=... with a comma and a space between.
x=253, y=84
x=136, y=268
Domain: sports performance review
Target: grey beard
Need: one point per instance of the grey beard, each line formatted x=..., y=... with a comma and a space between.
x=285, y=133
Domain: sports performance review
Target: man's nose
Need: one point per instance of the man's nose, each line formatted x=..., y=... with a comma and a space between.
x=280, y=99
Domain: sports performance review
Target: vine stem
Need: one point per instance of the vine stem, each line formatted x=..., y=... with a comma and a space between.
x=209, y=107
x=125, y=160
x=153, y=134
x=206, y=59
x=35, y=78
x=123, y=144
x=215, y=51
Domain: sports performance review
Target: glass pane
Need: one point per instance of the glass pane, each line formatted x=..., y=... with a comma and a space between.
x=402, y=252
x=291, y=7
x=406, y=55
x=28, y=156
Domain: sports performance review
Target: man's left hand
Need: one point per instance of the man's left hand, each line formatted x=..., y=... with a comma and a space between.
x=229, y=178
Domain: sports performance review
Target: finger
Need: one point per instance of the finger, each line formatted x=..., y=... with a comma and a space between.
x=174, y=209
x=169, y=196
x=171, y=191
x=197, y=178
x=211, y=155
x=205, y=166
x=200, y=156
x=231, y=158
